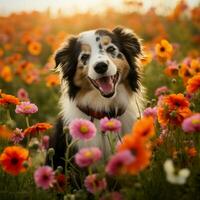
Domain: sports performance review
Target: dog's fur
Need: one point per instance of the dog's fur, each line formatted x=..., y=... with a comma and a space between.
x=83, y=85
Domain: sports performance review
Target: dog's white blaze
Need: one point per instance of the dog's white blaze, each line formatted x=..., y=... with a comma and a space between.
x=89, y=37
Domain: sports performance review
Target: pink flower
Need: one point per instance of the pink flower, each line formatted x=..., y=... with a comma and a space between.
x=95, y=184
x=112, y=125
x=150, y=112
x=88, y=156
x=17, y=136
x=192, y=124
x=22, y=94
x=82, y=129
x=161, y=90
x=45, y=142
x=117, y=162
x=26, y=108
x=44, y=177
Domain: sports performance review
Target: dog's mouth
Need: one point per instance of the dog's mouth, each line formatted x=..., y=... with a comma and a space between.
x=106, y=85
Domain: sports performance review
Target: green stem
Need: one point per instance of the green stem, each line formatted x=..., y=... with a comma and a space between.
x=119, y=137
x=8, y=115
x=28, y=125
x=110, y=142
x=67, y=154
x=27, y=121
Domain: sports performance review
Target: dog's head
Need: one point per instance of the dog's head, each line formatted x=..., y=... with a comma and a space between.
x=100, y=60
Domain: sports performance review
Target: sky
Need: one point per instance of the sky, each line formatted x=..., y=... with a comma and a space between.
x=71, y=6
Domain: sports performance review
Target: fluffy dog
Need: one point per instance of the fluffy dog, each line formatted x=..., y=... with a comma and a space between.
x=100, y=77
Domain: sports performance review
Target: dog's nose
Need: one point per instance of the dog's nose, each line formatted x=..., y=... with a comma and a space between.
x=101, y=67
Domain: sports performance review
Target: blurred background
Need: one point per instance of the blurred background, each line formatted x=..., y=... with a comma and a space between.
x=30, y=32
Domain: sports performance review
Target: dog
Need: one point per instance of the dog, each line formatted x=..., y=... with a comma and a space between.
x=100, y=77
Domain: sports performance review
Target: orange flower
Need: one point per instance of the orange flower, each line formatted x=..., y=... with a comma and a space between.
x=5, y=132
x=39, y=127
x=34, y=48
x=12, y=159
x=191, y=151
x=147, y=58
x=6, y=74
x=141, y=153
x=185, y=72
x=8, y=99
x=144, y=128
x=171, y=71
x=164, y=50
x=193, y=84
x=173, y=109
x=52, y=80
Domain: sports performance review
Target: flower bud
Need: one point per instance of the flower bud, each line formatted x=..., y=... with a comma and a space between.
x=51, y=152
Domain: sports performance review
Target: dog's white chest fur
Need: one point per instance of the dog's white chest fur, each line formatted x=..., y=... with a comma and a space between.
x=70, y=111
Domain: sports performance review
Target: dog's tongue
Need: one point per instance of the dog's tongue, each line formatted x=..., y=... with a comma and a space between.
x=105, y=84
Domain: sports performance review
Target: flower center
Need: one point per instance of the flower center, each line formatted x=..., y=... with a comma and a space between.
x=14, y=161
x=88, y=154
x=84, y=128
x=28, y=107
x=45, y=177
x=110, y=124
x=195, y=121
x=162, y=49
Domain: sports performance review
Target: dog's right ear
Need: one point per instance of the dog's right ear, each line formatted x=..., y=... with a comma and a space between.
x=66, y=51
x=66, y=58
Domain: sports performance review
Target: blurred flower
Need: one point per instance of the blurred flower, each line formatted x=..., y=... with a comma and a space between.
x=39, y=127
x=45, y=141
x=7, y=99
x=12, y=159
x=143, y=128
x=173, y=109
x=34, y=48
x=52, y=80
x=191, y=124
x=193, y=84
x=6, y=74
x=44, y=177
x=95, y=184
x=161, y=91
x=139, y=150
x=113, y=125
x=26, y=108
x=22, y=94
x=87, y=156
x=61, y=182
x=118, y=163
x=150, y=112
x=17, y=136
x=191, y=151
x=5, y=132
x=172, y=69
x=174, y=177
x=1, y=52
x=147, y=58
x=164, y=50
x=82, y=129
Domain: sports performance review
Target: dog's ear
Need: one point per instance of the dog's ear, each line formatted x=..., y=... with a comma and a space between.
x=66, y=58
x=130, y=46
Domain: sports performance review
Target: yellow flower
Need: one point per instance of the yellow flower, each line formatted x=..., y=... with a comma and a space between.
x=6, y=74
x=164, y=50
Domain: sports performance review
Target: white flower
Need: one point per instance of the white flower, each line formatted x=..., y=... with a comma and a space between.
x=175, y=178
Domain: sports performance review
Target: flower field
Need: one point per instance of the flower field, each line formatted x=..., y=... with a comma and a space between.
x=158, y=159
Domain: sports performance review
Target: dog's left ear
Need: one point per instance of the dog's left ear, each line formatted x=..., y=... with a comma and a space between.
x=131, y=47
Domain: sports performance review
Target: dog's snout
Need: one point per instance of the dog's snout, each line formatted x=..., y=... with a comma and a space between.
x=101, y=67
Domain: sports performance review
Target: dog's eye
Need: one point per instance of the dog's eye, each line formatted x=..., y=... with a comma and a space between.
x=85, y=57
x=110, y=49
